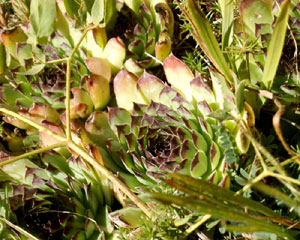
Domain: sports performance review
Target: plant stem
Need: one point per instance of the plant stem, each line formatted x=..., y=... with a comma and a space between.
x=32, y=153
x=250, y=184
x=80, y=40
x=116, y=181
x=68, y=82
x=290, y=160
x=67, y=101
x=286, y=178
x=56, y=61
x=33, y=124
x=202, y=220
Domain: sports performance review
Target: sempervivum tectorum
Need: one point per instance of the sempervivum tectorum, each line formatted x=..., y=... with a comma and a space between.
x=161, y=130
x=58, y=199
x=151, y=34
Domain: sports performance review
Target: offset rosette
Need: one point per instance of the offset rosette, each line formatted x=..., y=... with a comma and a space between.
x=152, y=34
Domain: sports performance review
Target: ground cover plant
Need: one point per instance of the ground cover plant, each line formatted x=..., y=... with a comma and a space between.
x=149, y=119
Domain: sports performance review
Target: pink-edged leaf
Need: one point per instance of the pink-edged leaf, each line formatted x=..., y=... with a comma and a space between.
x=125, y=88
x=178, y=75
x=149, y=86
x=99, y=90
x=99, y=66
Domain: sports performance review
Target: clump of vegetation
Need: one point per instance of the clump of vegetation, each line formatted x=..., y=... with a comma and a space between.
x=149, y=119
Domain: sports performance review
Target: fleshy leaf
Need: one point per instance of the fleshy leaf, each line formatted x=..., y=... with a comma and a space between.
x=99, y=90
x=149, y=86
x=99, y=66
x=201, y=91
x=115, y=53
x=81, y=105
x=179, y=75
x=199, y=164
x=125, y=88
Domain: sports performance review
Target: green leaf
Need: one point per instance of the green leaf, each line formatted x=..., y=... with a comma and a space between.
x=61, y=24
x=42, y=17
x=57, y=161
x=249, y=221
x=227, y=7
x=255, y=12
x=276, y=45
x=98, y=11
x=204, y=36
x=89, y=4
x=2, y=58
x=194, y=186
x=34, y=70
x=239, y=96
x=72, y=7
x=223, y=94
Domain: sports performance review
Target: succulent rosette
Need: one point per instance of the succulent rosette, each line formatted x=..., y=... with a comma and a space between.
x=163, y=130
x=61, y=198
x=151, y=35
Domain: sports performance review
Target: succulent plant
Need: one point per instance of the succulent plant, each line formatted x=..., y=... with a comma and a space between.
x=13, y=13
x=160, y=129
x=167, y=135
x=57, y=198
x=152, y=34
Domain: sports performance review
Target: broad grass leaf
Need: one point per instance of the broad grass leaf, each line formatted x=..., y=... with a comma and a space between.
x=227, y=7
x=276, y=45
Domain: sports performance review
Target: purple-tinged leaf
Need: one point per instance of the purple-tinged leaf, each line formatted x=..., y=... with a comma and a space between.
x=179, y=75
x=215, y=155
x=199, y=164
x=149, y=86
x=201, y=91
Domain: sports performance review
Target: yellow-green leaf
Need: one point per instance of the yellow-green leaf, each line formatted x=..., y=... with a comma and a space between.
x=276, y=45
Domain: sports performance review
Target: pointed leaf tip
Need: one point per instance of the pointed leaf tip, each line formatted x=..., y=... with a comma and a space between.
x=178, y=75
x=125, y=88
x=149, y=86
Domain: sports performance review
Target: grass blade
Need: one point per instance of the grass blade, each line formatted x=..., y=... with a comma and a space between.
x=227, y=7
x=222, y=194
x=204, y=36
x=253, y=222
x=276, y=45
